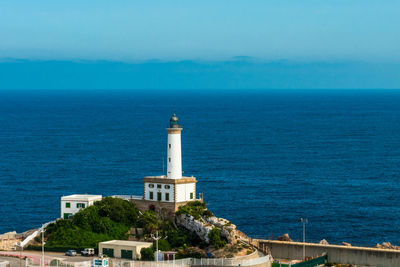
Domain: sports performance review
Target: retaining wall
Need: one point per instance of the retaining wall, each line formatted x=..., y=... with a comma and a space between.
x=338, y=254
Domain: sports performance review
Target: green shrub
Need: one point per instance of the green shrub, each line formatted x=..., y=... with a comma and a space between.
x=163, y=245
x=196, y=209
x=191, y=252
x=110, y=218
x=149, y=221
x=215, y=238
x=147, y=254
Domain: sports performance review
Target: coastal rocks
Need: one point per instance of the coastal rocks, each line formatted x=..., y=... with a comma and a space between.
x=202, y=227
x=323, y=242
x=346, y=244
x=387, y=245
x=285, y=237
x=198, y=227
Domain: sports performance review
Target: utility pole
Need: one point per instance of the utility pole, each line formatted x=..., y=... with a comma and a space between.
x=43, y=246
x=304, y=221
x=156, y=238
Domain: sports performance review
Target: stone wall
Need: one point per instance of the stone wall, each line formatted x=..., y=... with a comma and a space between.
x=9, y=240
x=169, y=208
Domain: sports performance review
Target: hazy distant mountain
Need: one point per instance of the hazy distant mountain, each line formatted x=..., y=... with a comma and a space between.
x=239, y=73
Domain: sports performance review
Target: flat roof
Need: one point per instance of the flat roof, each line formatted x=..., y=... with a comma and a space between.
x=126, y=243
x=85, y=197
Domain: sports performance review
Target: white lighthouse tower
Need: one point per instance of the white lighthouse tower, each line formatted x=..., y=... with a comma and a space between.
x=171, y=190
x=174, y=154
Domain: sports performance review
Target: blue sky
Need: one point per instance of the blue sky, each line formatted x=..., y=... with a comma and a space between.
x=309, y=30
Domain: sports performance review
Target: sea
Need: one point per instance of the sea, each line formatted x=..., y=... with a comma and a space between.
x=264, y=159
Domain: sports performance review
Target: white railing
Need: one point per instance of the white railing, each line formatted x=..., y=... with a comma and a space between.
x=57, y=263
x=127, y=197
x=176, y=263
x=34, y=234
x=193, y=262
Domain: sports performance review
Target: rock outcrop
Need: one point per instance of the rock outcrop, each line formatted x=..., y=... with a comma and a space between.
x=346, y=244
x=202, y=227
x=323, y=242
x=285, y=237
x=387, y=245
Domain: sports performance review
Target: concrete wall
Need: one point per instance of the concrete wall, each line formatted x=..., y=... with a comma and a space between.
x=338, y=254
x=183, y=192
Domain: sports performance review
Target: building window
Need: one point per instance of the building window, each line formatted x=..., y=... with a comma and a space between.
x=80, y=205
x=68, y=205
x=158, y=186
x=166, y=196
x=151, y=195
x=167, y=186
x=159, y=196
x=169, y=159
x=191, y=195
x=151, y=185
x=169, y=146
x=66, y=216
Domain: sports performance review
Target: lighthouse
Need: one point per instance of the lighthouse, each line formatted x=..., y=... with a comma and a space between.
x=174, y=154
x=170, y=190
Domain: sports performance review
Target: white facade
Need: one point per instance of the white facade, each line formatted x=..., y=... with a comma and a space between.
x=159, y=192
x=174, y=155
x=185, y=192
x=74, y=203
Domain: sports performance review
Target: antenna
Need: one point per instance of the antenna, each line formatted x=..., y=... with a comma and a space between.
x=163, y=167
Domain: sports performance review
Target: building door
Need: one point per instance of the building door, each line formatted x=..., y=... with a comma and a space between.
x=109, y=252
x=126, y=254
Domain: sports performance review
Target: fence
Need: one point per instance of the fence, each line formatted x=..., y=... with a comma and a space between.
x=310, y=263
x=56, y=263
x=194, y=262
x=176, y=263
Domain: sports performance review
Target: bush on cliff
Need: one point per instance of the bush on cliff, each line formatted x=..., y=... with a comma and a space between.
x=110, y=218
x=191, y=252
x=196, y=209
x=149, y=221
x=215, y=238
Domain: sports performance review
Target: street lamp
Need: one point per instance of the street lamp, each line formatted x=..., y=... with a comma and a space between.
x=42, y=230
x=156, y=238
x=304, y=221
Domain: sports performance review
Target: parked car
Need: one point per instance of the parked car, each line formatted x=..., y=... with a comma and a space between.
x=87, y=252
x=70, y=252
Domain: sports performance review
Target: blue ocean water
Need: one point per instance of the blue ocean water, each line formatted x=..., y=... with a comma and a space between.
x=263, y=159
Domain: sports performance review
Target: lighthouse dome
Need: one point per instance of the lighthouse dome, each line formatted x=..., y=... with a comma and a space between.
x=174, y=122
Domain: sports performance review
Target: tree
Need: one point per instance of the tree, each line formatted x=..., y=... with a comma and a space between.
x=147, y=254
x=150, y=221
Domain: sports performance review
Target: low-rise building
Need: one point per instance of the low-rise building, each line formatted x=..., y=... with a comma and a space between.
x=74, y=203
x=123, y=249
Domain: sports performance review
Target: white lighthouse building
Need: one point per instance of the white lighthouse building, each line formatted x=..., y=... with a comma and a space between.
x=174, y=162
x=171, y=190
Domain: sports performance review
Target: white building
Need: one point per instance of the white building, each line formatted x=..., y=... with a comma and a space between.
x=123, y=249
x=74, y=203
x=171, y=190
